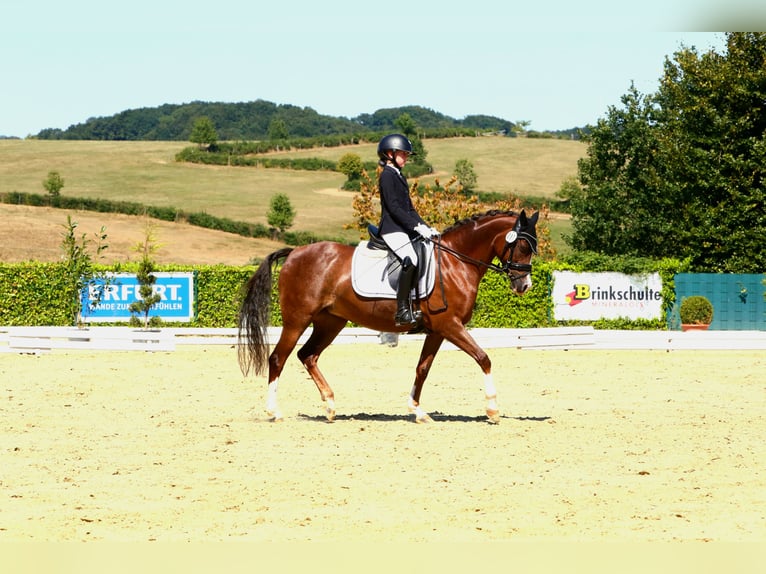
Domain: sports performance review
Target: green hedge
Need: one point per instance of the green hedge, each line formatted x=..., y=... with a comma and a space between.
x=218, y=157
x=249, y=154
x=33, y=293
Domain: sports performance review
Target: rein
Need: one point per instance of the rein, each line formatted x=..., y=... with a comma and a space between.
x=506, y=268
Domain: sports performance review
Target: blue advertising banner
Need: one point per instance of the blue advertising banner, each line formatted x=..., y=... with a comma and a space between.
x=121, y=289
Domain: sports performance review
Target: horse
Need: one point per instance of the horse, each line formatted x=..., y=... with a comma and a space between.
x=315, y=288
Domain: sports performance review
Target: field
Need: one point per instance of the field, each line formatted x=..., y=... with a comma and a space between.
x=146, y=172
x=525, y=167
x=594, y=446
x=35, y=233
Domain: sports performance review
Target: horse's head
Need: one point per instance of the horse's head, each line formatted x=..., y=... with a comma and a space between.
x=515, y=248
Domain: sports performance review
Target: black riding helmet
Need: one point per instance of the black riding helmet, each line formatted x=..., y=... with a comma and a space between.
x=393, y=142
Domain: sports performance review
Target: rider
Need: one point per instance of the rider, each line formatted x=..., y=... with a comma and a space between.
x=399, y=222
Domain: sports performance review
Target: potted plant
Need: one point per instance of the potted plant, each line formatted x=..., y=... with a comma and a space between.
x=696, y=313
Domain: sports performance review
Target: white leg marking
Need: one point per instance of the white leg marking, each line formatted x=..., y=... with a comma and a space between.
x=272, y=407
x=330, y=409
x=411, y=400
x=421, y=416
x=490, y=392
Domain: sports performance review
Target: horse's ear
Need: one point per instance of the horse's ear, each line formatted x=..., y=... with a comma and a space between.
x=533, y=219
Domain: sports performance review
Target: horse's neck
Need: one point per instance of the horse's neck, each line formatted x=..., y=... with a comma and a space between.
x=475, y=239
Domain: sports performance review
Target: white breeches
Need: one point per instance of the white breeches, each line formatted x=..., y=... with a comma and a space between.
x=400, y=243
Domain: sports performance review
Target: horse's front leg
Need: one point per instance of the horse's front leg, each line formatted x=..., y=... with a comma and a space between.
x=430, y=347
x=463, y=340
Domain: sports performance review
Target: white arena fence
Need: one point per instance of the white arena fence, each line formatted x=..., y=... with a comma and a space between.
x=46, y=339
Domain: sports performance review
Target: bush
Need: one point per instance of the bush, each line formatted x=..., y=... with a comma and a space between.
x=497, y=306
x=696, y=310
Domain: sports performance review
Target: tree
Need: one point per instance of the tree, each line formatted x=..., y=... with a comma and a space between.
x=139, y=310
x=465, y=175
x=53, y=183
x=682, y=173
x=278, y=129
x=409, y=128
x=520, y=127
x=715, y=136
x=627, y=203
x=79, y=272
x=351, y=166
x=406, y=125
x=281, y=213
x=203, y=132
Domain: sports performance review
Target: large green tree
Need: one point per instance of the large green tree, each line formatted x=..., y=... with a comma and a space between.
x=681, y=172
x=624, y=204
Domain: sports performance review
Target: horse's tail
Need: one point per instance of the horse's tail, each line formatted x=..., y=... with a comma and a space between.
x=254, y=314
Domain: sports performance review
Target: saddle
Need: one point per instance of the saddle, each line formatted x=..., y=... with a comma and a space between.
x=375, y=268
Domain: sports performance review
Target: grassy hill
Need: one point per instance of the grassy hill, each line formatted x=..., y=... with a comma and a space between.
x=146, y=172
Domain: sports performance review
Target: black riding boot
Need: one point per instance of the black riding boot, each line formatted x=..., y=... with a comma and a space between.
x=407, y=278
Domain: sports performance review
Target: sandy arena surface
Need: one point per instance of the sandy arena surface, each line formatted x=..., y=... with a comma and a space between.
x=618, y=446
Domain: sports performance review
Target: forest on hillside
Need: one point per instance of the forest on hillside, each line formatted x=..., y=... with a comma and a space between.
x=244, y=121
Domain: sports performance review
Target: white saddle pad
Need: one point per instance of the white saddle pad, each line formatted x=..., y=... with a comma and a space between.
x=369, y=273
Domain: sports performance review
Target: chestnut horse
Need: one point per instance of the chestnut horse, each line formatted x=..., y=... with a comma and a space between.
x=315, y=287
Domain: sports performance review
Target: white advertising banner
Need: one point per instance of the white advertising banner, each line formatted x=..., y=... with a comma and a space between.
x=592, y=296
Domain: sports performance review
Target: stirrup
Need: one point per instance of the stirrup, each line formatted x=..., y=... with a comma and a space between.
x=407, y=317
x=404, y=317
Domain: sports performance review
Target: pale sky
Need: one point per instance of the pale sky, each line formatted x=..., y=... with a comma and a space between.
x=556, y=64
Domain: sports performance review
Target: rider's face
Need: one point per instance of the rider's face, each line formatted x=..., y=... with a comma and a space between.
x=400, y=158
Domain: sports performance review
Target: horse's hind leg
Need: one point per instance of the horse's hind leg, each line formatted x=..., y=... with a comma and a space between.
x=282, y=350
x=326, y=328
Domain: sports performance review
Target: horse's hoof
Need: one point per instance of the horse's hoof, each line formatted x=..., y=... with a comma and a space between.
x=423, y=419
x=329, y=409
x=275, y=417
x=493, y=417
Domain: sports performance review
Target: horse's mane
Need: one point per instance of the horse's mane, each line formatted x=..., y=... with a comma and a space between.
x=478, y=216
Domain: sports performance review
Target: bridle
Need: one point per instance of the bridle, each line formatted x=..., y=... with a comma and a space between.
x=511, y=241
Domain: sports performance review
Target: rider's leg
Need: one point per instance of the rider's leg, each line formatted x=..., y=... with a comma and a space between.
x=407, y=278
x=400, y=244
